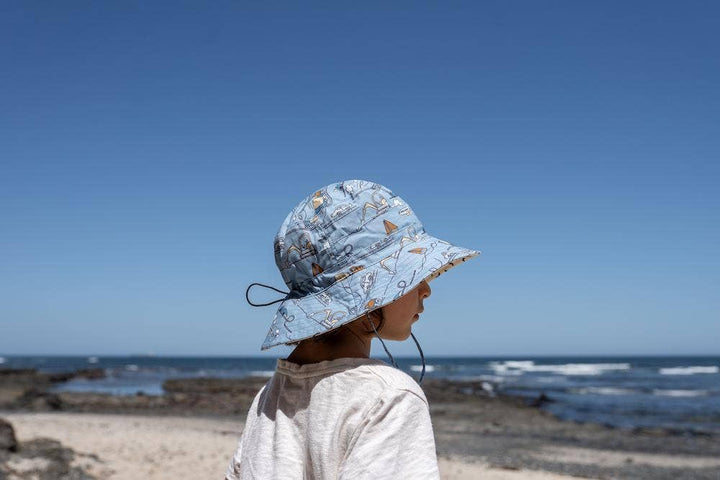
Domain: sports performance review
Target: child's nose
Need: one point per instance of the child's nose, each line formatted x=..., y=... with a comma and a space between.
x=425, y=290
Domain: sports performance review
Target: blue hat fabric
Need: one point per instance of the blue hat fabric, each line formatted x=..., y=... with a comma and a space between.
x=350, y=248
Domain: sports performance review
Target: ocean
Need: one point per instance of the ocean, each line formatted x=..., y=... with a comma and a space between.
x=680, y=393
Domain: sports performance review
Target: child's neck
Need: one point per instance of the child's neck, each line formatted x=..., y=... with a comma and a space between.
x=311, y=351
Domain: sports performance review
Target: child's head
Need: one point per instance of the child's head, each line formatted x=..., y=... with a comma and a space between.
x=354, y=254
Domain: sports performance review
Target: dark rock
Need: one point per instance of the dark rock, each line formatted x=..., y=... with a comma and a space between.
x=91, y=373
x=87, y=373
x=13, y=372
x=42, y=459
x=541, y=400
x=8, y=442
x=60, y=377
x=210, y=385
x=30, y=376
x=22, y=376
x=39, y=400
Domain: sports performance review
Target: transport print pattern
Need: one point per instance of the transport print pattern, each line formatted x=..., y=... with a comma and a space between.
x=347, y=249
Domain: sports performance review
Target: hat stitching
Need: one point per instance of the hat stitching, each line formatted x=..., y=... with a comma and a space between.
x=364, y=221
x=344, y=279
x=323, y=227
x=369, y=251
x=324, y=237
x=299, y=211
x=362, y=185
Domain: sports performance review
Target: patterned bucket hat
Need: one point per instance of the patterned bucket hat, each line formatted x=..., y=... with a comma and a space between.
x=350, y=248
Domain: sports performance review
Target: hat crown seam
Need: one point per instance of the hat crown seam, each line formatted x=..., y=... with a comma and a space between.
x=324, y=237
x=366, y=253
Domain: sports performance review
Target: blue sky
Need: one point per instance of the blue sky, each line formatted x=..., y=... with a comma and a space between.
x=150, y=150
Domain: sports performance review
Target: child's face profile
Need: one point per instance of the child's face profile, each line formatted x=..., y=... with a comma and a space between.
x=403, y=312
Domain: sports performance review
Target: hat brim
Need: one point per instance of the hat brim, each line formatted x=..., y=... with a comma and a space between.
x=368, y=288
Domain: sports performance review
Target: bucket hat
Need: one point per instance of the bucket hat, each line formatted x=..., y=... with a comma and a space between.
x=346, y=250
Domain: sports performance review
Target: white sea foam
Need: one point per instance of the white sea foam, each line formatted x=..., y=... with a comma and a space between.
x=519, y=367
x=418, y=368
x=132, y=367
x=262, y=373
x=680, y=393
x=604, y=391
x=92, y=359
x=2, y=360
x=502, y=368
x=688, y=370
x=521, y=364
x=550, y=380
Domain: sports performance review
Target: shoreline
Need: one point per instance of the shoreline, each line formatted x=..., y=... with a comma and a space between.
x=500, y=435
x=129, y=446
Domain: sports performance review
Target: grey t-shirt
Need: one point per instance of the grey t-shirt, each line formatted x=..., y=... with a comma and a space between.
x=350, y=418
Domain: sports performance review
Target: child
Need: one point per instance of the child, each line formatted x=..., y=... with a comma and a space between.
x=357, y=262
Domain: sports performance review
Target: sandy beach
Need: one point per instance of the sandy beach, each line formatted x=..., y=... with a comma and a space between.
x=191, y=431
x=128, y=447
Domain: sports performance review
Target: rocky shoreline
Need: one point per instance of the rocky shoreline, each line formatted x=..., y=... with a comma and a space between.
x=469, y=422
x=42, y=458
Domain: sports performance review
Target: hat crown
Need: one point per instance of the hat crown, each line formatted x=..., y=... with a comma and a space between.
x=337, y=231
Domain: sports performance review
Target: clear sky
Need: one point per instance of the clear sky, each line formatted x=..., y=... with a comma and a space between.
x=150, y=150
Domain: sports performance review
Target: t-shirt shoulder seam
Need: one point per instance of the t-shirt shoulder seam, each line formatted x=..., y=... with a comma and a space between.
x=400, y=388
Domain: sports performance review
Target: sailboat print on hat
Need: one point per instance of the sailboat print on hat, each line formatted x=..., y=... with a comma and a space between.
x=389, y=227
x=317, y=200
x=384, y=262
x=378, y=203
x=327, y=317
x=303, y=250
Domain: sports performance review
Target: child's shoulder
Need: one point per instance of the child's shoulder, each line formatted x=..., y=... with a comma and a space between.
x=392, y=380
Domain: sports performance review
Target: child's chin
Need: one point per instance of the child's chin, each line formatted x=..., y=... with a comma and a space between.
x=399, y=337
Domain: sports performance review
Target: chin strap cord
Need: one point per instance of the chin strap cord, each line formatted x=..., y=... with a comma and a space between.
x=392, y=360
x=422, y=357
